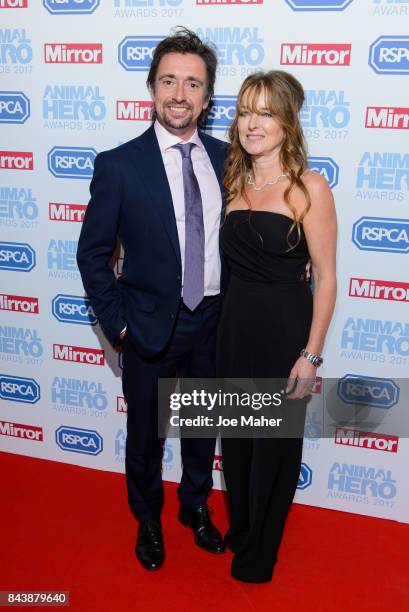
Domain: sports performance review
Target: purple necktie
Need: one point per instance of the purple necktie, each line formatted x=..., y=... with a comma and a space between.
x=193, y=277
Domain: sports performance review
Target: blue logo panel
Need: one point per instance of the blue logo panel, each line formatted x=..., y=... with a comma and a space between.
x=390, y=55
x=379, y=234
x=73, y=309
x=221, y=113
x=368, y=391
x=135, y=52
x=14, y=107
x=76, y=440
x=326, y=167
x=71, y=162
x=17, y=256
x=18, y=389
x=70, y=7
x=318, y=5
x=305, y=478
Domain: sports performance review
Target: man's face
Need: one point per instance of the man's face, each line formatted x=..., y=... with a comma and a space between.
x=180, y=92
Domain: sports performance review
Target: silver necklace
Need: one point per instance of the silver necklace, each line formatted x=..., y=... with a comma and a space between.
x=250, y=181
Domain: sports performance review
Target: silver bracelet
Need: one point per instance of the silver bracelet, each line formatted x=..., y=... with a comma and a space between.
x=316, y=360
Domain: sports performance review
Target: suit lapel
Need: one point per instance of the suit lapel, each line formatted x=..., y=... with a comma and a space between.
x=152, y=170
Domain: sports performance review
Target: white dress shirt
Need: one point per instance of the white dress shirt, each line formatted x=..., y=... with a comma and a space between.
x=211, y=200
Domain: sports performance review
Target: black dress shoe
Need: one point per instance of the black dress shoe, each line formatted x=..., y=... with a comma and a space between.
x=149, y=548
x=207, y=536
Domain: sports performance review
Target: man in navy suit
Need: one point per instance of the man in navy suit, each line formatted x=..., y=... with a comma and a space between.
x=160, y=194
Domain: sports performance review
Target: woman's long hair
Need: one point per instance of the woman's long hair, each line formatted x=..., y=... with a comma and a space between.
x=284, y=97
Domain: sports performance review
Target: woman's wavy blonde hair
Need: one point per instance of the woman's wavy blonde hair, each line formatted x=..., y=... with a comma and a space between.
x=284, y=97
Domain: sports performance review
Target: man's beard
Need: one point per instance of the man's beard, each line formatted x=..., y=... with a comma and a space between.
x=178, y=123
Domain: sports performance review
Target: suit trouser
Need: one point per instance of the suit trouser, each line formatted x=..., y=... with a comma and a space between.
x=191, y=352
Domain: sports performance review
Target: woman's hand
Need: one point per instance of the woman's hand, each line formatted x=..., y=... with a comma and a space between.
x=301, y=380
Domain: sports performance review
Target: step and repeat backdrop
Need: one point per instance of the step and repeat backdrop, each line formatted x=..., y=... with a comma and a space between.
x=72, y=83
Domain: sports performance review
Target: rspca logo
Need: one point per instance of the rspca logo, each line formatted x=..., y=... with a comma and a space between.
x=235, y=46
x=14, y=107
x=18, y=389
x=305, y=477
x=221, y=113
x=76, y=440
x=361, y=482
x=375, y=340
x=379, y=234
x=383, y=176
x=326, y=167
x=390, y=55
x=73, y=309
x=17, y=257
x=18, y=206
x=368, y=391
x=318, y=5
x=15, y=48
x=79, y=397
x=71, y=7
x=135, y=52
x=71, y=162
x=72, y=105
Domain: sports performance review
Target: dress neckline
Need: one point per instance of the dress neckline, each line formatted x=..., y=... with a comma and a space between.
x=271, y=212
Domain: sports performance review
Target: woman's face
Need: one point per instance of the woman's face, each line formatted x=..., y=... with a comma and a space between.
x=260, y=133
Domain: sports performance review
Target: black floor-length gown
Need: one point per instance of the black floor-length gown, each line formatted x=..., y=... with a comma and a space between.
x=264, y=324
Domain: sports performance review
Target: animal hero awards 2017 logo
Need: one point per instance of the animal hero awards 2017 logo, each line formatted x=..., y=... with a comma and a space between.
x=62, y=259
x=79, y=397
x=154, y=9
x=362, y=484
x=325, y=114
x=382, y=175
x=20, y=345
x=390, y=8
x=18, y=207
x=73, y=107
x=375, y=340
x=16, y=52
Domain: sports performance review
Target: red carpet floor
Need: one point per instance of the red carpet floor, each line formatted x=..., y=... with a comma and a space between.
x=68, y=528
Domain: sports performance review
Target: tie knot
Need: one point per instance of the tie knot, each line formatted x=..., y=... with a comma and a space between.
x=185, y=149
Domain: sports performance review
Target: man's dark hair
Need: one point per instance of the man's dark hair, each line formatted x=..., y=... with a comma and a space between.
x=185, y=41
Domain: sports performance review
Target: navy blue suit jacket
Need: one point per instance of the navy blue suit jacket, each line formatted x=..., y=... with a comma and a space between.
x=131, y=200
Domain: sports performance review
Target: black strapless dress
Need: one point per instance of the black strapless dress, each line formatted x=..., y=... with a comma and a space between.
x=265, y=322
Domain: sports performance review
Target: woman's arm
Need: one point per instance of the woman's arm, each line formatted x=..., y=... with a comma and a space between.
x=320, y=228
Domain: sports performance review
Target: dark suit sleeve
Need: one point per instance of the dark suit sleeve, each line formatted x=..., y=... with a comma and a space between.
x=97, y=244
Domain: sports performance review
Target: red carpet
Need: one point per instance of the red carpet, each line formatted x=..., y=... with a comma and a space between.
x=69, y=528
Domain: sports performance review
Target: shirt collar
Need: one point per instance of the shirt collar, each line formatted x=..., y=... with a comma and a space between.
x=167, y=140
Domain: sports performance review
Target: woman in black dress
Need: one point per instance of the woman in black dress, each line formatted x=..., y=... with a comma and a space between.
x=279, y=216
